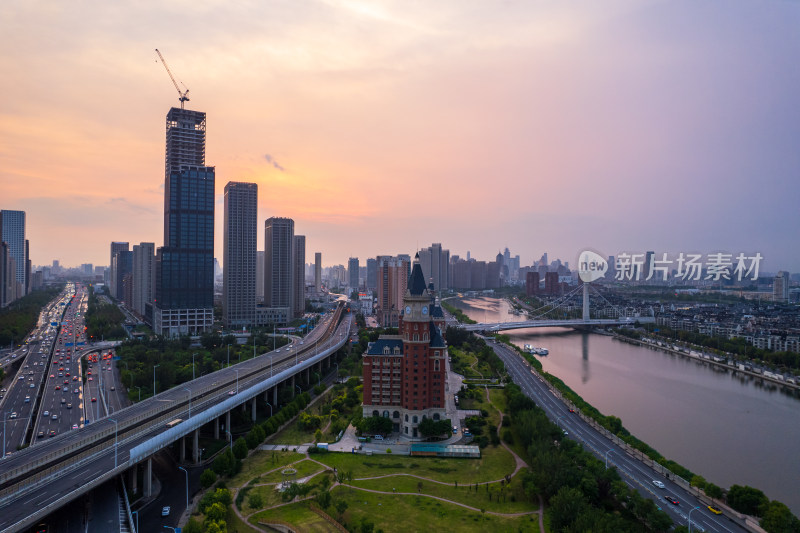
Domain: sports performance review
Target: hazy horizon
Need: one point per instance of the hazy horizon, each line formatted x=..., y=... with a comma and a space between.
x=382, y=127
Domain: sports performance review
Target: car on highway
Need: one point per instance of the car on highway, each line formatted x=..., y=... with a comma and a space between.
x=75, y=391
x=46, y=413
x=658, y=484
x=69, y=406
x=13, y=415
x=41, y=434
x=52, y=433
x=672, y=500
x=165, y=511
x=54, y=417
x=74, y=426
x=714, y=509
x=231, y=393
x=94, y=400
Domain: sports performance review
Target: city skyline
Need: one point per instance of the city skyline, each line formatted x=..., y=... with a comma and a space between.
x=667, y=127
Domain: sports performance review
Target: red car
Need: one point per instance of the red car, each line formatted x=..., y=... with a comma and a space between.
x=94, y=399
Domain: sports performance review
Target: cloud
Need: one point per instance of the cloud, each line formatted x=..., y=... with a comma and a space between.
x=271, y=160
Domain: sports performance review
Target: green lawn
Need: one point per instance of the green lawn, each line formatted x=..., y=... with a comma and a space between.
x=393, y=513
x=292, y=434
x=259, y=462
x=304, y=468
x=298, y=515
x=504, y=499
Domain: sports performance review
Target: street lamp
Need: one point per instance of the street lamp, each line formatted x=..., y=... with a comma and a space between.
x=137, y=520
x=608, y=452
x=190, y=401
x=116, y=426
x=154, y=378
x=5, y=414
x=237, y=380
x=690, y=518
x=140, y=392
x=270, y=409
x=187, y=485
x=230, y=438
x=299, y=390
x=172, y=528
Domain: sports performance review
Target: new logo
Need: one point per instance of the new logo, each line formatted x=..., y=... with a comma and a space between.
x=591, y=266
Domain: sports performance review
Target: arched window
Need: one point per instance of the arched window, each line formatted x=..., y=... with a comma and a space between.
x=416, y=336
x=424, y=417
x=396, y=414
x=406, y=421
x=415, y=419
x=375, y=413
x=436, y=416
x=386, y=414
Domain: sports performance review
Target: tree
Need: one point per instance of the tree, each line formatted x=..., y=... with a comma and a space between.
x=192, y=526
x=713, y=491
x=565, y=506
x=255, y=501
x=747, y=500
x=779, y=519
x=240, y=448
x=341, y=507
x=216, y=512
x=324, y=499
x=207, y=478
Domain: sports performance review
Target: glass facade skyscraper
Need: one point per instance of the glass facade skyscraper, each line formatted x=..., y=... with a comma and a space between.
x=184, y=295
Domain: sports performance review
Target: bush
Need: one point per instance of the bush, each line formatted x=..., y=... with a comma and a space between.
x=483, y=441
x=207, y=478
x=508, y=436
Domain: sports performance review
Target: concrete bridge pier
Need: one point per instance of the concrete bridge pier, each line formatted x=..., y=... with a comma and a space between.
x=148, y=477
x=586, y=301
x=133, y=479
x=308, y=375
x=196, y=446
x=275, y=395
x=216, y=427
x=293, y=385
x=182, y=446
x=253, y=409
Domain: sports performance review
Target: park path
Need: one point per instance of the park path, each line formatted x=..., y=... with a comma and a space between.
x=519, y=461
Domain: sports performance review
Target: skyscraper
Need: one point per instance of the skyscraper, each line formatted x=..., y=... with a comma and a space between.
x=239, y=254
x=299, y=275
x=318, y=272
x=372, y=274
x=114, y=281
x=780, y=287
x=184, y=299
x=142, y=278
x=260, y=277
x=13, y=234
x=392, y=284
x=352, y=273
x=278, y=256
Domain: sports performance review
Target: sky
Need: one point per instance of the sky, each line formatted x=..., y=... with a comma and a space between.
x=381, y=127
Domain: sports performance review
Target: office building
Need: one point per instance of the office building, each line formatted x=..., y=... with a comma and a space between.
x=435, y=262
x=318, y=273
x=392, y=285
x=372, y=274
x=121, y=264
x=13, y=234
x=239, y=254
x=278, y=260
x=259, y=277
x=184, y=296
x=299, y=276
x=114, y=281
x=531, y=283
x=352, y=273
x=780, y=287
x=143, y=278
x=404, y=375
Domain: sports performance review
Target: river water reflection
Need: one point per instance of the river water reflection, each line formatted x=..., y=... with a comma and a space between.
x=729, y=428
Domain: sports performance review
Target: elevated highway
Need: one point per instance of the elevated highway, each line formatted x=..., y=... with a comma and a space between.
x=42, y=478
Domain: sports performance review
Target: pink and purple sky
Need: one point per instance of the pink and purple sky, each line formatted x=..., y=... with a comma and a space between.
x=381, y=127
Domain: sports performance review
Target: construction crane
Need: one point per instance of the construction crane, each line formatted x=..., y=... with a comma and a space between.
x=182, y=96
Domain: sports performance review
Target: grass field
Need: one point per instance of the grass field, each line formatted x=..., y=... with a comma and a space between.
x=259, y=462
x=393, y=513
x=299, y=515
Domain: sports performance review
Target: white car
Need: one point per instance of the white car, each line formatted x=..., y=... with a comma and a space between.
x=165, y=511
x=658, y=484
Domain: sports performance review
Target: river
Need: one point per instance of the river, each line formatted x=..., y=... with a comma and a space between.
x=726, y=427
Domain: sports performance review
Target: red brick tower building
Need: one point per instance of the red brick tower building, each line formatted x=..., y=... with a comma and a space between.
x=404, y=376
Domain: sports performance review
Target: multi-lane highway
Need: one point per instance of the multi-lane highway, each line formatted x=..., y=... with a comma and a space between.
x=56, y=470
x=632, y=470
x=20, y=402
